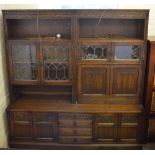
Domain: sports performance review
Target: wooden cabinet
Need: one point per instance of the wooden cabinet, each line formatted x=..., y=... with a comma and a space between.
x=76, y=78
x=117, y=128
x=114, y=69
x=37, y=126
x=75, y=128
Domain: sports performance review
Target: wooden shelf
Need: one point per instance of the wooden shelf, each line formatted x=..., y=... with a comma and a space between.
x=61, y=105
x=101, y=40
x=40, y=40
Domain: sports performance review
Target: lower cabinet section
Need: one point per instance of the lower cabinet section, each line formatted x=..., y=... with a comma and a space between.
x=74, y=128
x=117, y=128
x=36, y=126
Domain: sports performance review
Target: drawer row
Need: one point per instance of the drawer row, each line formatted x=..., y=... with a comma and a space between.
x=81, y=120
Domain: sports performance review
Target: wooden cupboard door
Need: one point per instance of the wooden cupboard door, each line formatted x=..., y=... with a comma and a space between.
x=56, y=60
x=128, y=128
x=23, y=60
x=45, y=127
x=21, y=126
x=126, y=83
x=93, y=82
x=106, y=128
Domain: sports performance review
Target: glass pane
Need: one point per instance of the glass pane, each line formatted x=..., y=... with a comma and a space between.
x=24, y=62
x=94, y=52
x=56, y=60
x=127, y=52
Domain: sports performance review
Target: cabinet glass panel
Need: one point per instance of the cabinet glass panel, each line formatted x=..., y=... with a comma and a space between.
x=24, y=62
x=56, y=62
x=91, y=52
x=127, y=52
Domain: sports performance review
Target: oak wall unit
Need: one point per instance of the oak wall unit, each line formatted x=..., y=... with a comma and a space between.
x=76, y=78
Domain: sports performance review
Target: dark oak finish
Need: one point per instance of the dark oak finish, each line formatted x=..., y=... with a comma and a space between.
x=83, y=90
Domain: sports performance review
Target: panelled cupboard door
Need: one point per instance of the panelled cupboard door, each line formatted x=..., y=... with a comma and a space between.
x=117, y=128
x=126, y=82
x=44, y=126
x=93, y=81
x=128, y=128
x=21, y=126
x=127, y=52
x=23, y=61
x=56, y=63
x=105, y=128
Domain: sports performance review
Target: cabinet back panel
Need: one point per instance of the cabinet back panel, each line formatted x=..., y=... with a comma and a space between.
x=93, y=28
x=43, y=91
x=29, y=28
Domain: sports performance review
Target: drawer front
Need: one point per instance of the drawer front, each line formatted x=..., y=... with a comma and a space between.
x=75, y=123
x=75, y=139
x=130, y=119
x=67, y=116
x=22, y=117
x=107, y=119
x=44, y=117
x=75, y=132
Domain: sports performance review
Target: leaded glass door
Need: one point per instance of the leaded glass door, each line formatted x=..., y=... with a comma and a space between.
x=128, y=52
x=24, y=62
x=56, y=63
x=89, y=52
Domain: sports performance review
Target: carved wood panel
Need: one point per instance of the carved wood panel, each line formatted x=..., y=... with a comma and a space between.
x=105, y=128
x=22, y=127
x=45, y=126
x=126, y=79
x=93, y=79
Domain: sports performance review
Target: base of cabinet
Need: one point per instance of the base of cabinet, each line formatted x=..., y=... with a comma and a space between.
x=56, y=146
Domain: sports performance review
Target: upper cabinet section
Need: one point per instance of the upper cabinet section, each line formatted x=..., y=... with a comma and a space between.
x=77, y=24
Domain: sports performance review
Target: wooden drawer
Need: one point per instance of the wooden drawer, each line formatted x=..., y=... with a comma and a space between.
x=75, y=132
x=68, y=116
x=129, y=119
x=75, y=123
x=22, y=117
x=107, y=119
x=75, y=139
x=44, y=117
